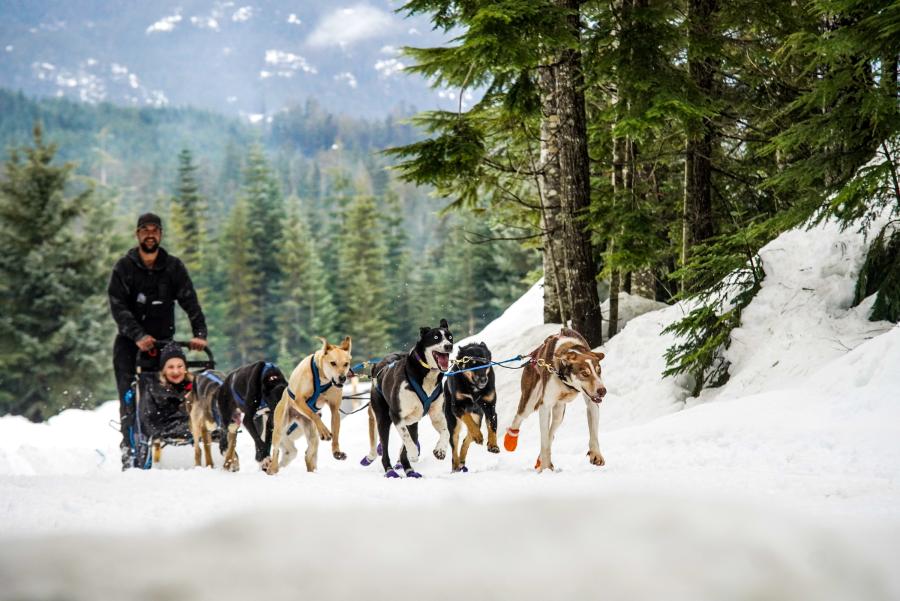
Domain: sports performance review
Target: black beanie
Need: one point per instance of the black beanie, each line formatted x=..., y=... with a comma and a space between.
x=149, y=219
x=170, y=351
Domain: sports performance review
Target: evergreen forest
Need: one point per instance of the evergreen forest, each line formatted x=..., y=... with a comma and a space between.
x=641, y=146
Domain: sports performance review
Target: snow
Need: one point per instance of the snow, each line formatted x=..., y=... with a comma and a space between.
x=782, y=484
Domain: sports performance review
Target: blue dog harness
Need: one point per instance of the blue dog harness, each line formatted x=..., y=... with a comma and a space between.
x=318, y=389
x=266, y=368
x=425, y=399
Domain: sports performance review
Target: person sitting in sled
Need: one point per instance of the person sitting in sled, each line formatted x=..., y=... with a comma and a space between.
x=164, y=413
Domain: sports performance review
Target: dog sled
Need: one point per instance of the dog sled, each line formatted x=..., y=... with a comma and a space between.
x=160, y=424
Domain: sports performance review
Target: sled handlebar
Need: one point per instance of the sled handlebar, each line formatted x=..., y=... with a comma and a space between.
x=209, y=363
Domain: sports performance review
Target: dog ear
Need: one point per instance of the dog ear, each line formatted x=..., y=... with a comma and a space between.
x=423, y=331
x=325, y=345
x=345, y=344
x=599, y=356
x=444, y=324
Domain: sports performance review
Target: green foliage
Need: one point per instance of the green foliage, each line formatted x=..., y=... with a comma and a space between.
x=881, y=274
x=306, y=308
x=265, y=212
x=244, y=317
x=53, y=348
x=362, y=277
x=188, y=214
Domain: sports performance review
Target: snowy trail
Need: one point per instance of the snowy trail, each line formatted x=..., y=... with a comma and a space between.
x=783, y=484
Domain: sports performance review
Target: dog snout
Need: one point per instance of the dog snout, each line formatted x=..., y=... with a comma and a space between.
x=601, y=392
x=342, y=379
x=448, y=347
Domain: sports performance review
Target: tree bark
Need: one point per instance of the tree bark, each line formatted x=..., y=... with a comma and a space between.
x=557, y=302
x=581, y=269
x=697, y=214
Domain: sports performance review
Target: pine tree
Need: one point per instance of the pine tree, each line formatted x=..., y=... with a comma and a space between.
x=244, y=317
x=362, y=264
x=307, y=310
x=265, y=211
x=397, y=257
x=188, y=216
x=54, y=330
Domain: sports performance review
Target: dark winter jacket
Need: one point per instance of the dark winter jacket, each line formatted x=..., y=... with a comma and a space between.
x=142, y=300
x=163, y=409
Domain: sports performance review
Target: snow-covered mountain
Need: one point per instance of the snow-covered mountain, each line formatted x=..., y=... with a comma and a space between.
x=239, y=57
x=782, y=484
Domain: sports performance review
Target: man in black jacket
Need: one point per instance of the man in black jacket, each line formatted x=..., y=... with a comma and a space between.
x=143, y=289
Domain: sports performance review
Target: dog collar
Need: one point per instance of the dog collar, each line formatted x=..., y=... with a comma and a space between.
x=422, y=362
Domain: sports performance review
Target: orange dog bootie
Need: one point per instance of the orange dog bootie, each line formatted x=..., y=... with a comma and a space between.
x=511, y=440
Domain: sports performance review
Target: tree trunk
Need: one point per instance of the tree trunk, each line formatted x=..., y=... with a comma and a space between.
x=697, y=212
x=557, y=302
x=574, y=172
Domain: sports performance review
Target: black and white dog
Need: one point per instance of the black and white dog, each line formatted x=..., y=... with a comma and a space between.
x=249, y=391
x=404, y=389
x=469, y=396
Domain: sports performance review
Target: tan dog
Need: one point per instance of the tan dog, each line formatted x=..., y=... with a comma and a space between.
x=201, y=408
x=314, y=383
x=560, y=368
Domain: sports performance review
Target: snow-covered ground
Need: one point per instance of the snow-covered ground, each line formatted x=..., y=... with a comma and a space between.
x=783, y=484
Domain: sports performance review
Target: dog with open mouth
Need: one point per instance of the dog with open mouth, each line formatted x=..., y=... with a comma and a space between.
x=406, y=388
x=561, y=368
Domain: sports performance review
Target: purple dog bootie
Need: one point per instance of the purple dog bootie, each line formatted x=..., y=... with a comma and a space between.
x=413, y=474
x=365, y=461
x=391, y=474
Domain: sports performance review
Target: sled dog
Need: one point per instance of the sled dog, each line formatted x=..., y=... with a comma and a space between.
x=468, y=397
x=405, y=388
x=560, y=368
x=314, y=383
x=248, y=395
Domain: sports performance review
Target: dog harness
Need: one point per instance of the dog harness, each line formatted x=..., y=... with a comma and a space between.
x=266, y=368
x=215, y=406
x=424, y=398
x=318, y=389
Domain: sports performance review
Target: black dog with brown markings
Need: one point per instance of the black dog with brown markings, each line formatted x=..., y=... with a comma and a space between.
x=470, y=396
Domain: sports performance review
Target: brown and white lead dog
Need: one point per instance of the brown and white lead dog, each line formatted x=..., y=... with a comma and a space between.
x=316, y=381
x=563, y=366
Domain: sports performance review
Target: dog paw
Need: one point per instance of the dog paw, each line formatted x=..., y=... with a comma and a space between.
x=232, y=466
x=440, y=453
x=272, y=469
x=325, y=434
x=540, y=468
x=413, y=456
x=391, y=474
x=492, y=448
x=461, y=469
x=366, y=461
x=477, y=437
x=596, y=458
x=413, y=474
x=264, y=464
x=511, y=440
x=340, y=455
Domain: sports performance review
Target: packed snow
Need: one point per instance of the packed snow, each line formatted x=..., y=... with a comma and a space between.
x=782, y=484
